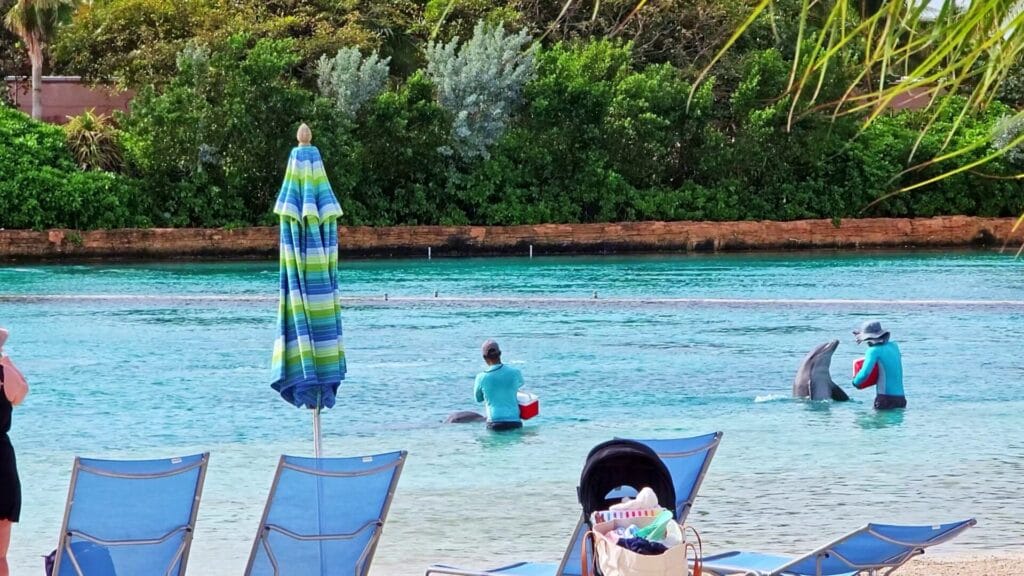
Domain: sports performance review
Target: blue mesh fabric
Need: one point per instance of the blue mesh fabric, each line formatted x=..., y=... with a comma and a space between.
x=685, y=458
x=116, y=506
x=865, y=549
x=878, y=546
x=324, y=515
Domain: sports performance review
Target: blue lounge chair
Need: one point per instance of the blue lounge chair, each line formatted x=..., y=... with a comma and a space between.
x=324, y=516
x=130, y=517
x=687, y=460
x=869, y=550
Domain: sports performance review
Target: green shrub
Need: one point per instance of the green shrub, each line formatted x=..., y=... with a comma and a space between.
x=41, y=187
x=397, y=171
x=596, y=142
x=212, y=146
x=598, y=133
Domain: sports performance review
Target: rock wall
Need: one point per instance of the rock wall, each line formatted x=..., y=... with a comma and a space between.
x=362, y=241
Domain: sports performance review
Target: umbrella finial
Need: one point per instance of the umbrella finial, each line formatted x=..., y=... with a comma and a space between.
x=305, y=135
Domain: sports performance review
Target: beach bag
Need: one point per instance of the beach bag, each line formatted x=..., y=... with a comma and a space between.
x=610, y=559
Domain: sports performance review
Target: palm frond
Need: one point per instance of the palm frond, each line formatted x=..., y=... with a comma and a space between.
x=955, y=57
x=755, y=13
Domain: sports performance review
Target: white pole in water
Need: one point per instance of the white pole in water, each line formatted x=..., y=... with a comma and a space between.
x=316, y=432
x=531, y=250
x=429, y=257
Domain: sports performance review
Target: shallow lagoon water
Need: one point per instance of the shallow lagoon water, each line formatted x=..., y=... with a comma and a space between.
x=136, y=361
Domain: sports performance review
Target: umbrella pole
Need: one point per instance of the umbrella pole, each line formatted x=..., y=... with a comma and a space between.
x=316, y=432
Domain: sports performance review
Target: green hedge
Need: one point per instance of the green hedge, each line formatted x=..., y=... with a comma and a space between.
x=598, y=139
x=40, y=186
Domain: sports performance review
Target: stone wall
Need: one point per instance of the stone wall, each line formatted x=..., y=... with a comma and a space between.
x=361, y=241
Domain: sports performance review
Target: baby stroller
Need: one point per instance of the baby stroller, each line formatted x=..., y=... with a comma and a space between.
x=613, y=470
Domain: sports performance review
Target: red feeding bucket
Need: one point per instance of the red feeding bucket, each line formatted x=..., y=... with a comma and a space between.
x=529, y=405
x=872, y=378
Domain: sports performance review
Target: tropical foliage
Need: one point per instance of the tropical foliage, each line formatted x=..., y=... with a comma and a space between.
x=94, y=141
x=480, y=84
x=35, y=22
x=202, y=144
x=135, y=42
x=1006, y=135
x=521, y=111
x=41, y=187
x=13, y=60
x=350, y=80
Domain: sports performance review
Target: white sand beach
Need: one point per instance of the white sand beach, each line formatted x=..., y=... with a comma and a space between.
x=980, y=565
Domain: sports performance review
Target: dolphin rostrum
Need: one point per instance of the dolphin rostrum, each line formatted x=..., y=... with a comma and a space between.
x=464, y=416
x=813, y=379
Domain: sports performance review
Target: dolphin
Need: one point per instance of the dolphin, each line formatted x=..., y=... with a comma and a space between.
x=464, y=416
x=813, y=379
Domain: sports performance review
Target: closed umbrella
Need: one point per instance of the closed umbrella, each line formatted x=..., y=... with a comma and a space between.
x=309, y=358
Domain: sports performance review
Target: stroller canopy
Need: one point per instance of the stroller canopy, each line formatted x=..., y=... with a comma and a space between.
x=619, y=464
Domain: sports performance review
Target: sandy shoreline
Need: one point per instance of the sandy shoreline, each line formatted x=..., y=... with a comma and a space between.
x=974, y=565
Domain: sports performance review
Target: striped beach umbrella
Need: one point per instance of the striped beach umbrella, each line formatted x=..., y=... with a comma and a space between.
x=308, y=363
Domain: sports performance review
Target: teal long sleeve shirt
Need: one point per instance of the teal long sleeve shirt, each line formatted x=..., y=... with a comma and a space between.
x=890, y=369
x=496, y=387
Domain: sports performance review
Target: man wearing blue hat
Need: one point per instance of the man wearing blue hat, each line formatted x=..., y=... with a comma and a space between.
x=496, y=387
x=886, y=355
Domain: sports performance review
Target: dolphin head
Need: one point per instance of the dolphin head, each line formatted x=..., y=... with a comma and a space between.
x=824, y=352
x=813, y=379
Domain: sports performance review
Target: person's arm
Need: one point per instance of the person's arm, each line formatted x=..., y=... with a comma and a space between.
x=519, y=379
x=478, y=390
x=870, y=360
x=15, y=387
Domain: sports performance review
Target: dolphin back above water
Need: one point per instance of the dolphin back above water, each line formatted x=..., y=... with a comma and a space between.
x=463, y=417
x=813, y=378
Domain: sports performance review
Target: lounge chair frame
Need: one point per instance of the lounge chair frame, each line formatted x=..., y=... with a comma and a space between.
x=64, y=546
x=826, y=552
x=363, y=564
x=682, y=511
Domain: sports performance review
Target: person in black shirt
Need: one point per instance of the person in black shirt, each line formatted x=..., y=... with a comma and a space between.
x=12, y=391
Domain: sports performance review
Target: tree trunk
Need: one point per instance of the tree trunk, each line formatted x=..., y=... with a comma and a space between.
x=35, y=56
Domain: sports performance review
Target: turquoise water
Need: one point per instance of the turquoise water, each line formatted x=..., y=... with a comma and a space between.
x=140, y=361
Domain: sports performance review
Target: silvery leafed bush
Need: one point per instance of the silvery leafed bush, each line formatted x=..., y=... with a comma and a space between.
x=480, y=84
x=349, y=80
x=1007, y=131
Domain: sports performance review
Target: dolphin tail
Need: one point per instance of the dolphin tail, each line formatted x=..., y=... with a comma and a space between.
x=838, y=394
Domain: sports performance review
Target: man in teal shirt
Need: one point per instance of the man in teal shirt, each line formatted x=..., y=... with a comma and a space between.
x=886, y=355
x=496, y=387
